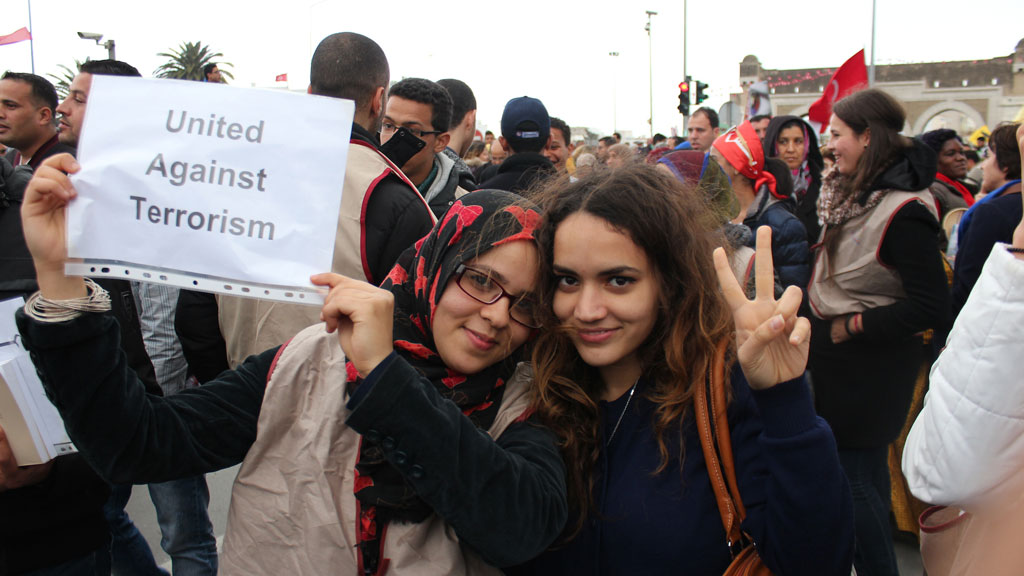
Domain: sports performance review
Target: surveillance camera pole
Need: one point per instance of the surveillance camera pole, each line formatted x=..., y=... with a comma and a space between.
x=109, y=44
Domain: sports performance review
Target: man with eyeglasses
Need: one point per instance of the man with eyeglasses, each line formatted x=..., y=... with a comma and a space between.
x=424, y=110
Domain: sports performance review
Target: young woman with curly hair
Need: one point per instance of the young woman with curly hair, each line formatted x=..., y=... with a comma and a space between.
x=635, y=316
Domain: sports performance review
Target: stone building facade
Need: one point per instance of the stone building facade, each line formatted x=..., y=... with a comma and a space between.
x=980, y=92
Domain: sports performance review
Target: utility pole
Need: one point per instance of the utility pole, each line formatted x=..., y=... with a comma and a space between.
x=650, y=72
x=615, y=90
x=31, y=41
x=686, y=118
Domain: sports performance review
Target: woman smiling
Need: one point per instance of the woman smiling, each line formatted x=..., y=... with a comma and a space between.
x=637, y=315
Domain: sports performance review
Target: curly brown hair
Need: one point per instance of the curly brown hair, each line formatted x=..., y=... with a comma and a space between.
x=671, y=224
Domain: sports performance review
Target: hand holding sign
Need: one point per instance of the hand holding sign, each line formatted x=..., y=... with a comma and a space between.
x=363, y=316
x=43, y=218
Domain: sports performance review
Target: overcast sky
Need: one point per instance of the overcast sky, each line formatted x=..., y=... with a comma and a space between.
x=555, y=51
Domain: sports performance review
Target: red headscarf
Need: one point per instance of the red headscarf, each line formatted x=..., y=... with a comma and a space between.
x=741, y=147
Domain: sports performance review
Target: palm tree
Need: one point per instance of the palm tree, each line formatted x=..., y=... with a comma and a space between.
x=62, y=81
x=186, y=63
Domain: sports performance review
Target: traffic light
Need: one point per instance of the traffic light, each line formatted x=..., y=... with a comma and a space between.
x=701, y=87
x=684, y=97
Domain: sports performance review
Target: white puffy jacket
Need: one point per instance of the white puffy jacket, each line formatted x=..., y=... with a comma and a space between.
x=967, y=445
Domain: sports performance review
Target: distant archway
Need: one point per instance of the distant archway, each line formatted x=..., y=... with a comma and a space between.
x=936, y=110
x=953, y=120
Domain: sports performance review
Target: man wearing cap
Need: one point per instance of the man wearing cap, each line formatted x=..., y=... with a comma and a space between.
x=525, y=131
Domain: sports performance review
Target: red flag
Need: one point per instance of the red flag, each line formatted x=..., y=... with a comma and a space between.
x=18, y=35
x=281, y=77
x=851, y=77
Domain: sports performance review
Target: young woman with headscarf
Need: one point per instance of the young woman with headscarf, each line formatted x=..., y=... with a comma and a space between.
x=395, y=440
x=793, y=141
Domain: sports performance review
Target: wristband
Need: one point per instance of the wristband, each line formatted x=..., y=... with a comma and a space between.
x=1014, y=250
x=846, y=324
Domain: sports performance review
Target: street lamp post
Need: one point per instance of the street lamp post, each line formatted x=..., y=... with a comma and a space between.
x=109, y=44
x=650, y=72
x=615, y=104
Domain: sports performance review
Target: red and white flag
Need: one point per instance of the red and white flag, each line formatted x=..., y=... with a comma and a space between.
x=851, y=77
x=18, y=35
x=281, y=77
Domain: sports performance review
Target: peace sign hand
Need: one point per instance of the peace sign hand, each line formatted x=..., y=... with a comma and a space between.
x=772, y=341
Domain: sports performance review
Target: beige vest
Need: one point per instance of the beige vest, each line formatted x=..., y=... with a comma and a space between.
x=251, y=326
x=854, y=279
x=292, y=505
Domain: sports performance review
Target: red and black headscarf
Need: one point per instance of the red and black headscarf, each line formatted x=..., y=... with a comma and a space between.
x=742, y=149
x=473, y=225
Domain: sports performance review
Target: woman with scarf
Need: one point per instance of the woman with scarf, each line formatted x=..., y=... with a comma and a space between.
x=764, y=191
x=948, y=189
x=878, y=284
x=792, y=140
x=395, y=441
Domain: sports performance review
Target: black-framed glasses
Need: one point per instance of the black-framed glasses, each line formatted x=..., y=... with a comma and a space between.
x=480, y=286
x=389, y=128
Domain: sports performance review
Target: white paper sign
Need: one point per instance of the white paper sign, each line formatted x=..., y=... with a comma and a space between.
x=208, y=187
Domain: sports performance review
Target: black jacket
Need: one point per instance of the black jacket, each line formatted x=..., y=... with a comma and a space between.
x=396, y=217
x=61, y=518
x=17, y=274
x=519, y=171
x=129, y=436
x=790, y=249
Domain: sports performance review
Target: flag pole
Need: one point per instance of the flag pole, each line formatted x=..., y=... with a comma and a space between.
x=871, y=70
x=31, y=42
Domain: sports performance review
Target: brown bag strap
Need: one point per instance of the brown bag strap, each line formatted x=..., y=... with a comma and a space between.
x=713, y=429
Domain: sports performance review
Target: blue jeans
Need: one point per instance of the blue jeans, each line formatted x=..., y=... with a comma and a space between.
x=186, y=532
x=868, y=473
x=185, y=527
x=129, y=552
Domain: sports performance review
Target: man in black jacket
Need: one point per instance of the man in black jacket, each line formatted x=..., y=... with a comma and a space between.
x=525, y=131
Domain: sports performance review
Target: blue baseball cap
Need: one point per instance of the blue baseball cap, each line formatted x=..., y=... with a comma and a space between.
x=525, y=119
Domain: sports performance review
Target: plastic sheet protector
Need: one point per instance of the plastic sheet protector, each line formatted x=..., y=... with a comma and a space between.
x=208, y=187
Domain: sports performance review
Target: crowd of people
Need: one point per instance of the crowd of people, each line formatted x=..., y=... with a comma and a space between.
x=508, y=370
